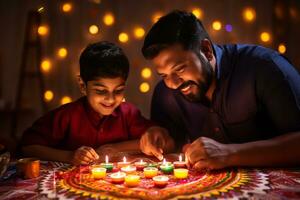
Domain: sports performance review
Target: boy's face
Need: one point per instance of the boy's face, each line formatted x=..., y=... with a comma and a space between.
x=105, y=94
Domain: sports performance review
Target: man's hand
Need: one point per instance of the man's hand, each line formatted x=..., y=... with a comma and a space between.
x=84, y=156
x=155, y=141
x=205, y=153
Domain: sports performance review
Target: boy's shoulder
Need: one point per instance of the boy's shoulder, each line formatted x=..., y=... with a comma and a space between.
x=127, y=108
x=70, y=108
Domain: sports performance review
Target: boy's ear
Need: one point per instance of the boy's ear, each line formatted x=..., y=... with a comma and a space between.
x=82, y=85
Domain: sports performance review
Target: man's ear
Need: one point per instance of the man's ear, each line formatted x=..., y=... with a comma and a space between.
x=82, y=85
x=207, y=49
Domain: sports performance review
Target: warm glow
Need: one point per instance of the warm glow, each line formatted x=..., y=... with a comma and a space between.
x=65, y=99
x=249, y=14
x=265, y=36
x=48, y=95
x=43, y=30
x=139, y=32
x=156, y=17
x=281, y=48
x=144, y=87
x=93, y=29
x=62, y=52
x=146, y=72
x=198, y=13
x=123, y=37
x=46, y=65
x=67, y=7
x=217, y=25
x=108, y=19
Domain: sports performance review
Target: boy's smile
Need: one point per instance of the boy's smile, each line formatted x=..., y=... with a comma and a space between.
x=105, y=94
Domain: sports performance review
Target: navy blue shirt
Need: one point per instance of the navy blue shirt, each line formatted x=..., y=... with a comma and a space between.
x=257, y=97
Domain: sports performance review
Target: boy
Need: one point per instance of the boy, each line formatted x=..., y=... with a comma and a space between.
x=97, y=124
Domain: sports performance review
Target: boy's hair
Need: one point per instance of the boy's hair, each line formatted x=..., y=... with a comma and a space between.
x=177, y=27
x=103, y=60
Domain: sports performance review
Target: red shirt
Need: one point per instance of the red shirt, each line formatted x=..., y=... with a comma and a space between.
x=76, y=124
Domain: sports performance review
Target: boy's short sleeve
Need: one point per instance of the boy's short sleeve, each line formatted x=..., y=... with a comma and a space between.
x=48, y=130
x=138, y=124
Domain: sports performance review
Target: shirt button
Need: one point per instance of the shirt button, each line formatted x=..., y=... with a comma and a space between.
x=216, y=129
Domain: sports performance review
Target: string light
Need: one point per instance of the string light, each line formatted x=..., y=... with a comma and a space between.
x=156, y=16
x=139, y=32
x=62, y=52
x=48, y=95
x=123, y=37
x=43, y=30
x=265, y=36
x=65, y=99
x=46, y=65
x=67, y=7
x=146, y=72
x=198, y=13
x=41, y=9
x=108, y=19
x=281, y=48
x=249, y=14
x=144, y=87
x=217, y=25
x=93, y=29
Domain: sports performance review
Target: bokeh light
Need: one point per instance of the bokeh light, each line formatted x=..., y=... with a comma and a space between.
x=108, y=19
x=144, y=87
x=65, y=99
x=265, y=37
x=43, y=30
x=146, y=72
x=62, y=52
x=48, y=95
x=156, y=16
x=249, y=14
x=281, y=48
x=123, y=37
x=139, y=32
x=228, y=27
x=46, y=65
x=67, y=7
x=198, y=13
x=93, y=29
x=217, y=25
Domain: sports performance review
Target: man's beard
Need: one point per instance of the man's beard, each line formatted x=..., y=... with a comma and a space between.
x=202, y=86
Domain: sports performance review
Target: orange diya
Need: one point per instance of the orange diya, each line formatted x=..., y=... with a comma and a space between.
x=140, y=165
x=124, y=163
x=179, y=163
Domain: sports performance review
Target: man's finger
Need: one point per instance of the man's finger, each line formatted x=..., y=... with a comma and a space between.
x=201, y=165
x=156, y=152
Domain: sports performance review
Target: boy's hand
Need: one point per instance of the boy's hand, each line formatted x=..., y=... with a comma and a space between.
x=155, y=141
x=84, y=156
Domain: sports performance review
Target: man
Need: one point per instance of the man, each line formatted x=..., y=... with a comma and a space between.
x=238, y=105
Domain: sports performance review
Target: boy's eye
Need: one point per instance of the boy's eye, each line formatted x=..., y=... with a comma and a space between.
x=120, y=91
x=101, y=92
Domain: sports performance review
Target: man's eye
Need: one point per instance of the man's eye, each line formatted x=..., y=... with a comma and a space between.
x=180, y=70
x=101, y=91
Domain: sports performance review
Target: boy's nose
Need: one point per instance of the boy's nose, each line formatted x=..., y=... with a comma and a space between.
x=110, y=98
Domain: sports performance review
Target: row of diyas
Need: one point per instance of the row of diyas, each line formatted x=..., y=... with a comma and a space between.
x=150, y=171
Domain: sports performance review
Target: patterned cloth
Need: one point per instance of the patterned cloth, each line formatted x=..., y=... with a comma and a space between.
x=224, y=184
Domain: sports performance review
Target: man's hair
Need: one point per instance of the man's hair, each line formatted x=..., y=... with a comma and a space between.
x=177, y=27
x=103, y=60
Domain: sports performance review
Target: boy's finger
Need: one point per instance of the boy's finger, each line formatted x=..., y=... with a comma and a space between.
x=94, y=153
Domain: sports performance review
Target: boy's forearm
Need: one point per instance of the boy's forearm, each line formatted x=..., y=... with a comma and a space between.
x=47, y=153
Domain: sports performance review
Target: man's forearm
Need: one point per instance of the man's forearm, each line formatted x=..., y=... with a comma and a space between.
x=280, y=151
x=131, y=145
x=47, y=153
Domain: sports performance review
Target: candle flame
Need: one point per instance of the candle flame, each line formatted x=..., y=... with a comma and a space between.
x=106, y=159
x=180, y=158
x=124, y=159
x=164, y=161
x=141, y=161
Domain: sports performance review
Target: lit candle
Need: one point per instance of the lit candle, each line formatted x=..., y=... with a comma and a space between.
x=124, y=163
x=132, y=180
x=107, y=165
x=179, y=163
x=181, y=173
x=150, y=172
x=160, y=181
x=140, y=165
x=128, y=169
x=166, y=167
x=118, y=177
x=98, y=172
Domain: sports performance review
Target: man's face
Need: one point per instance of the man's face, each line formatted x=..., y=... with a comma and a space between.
x=183, y=70
x=105, y=94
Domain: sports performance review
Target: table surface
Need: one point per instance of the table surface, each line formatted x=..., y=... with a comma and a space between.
x=279, y=183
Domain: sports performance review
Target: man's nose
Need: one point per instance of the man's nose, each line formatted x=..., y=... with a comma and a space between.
x=173, y=81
